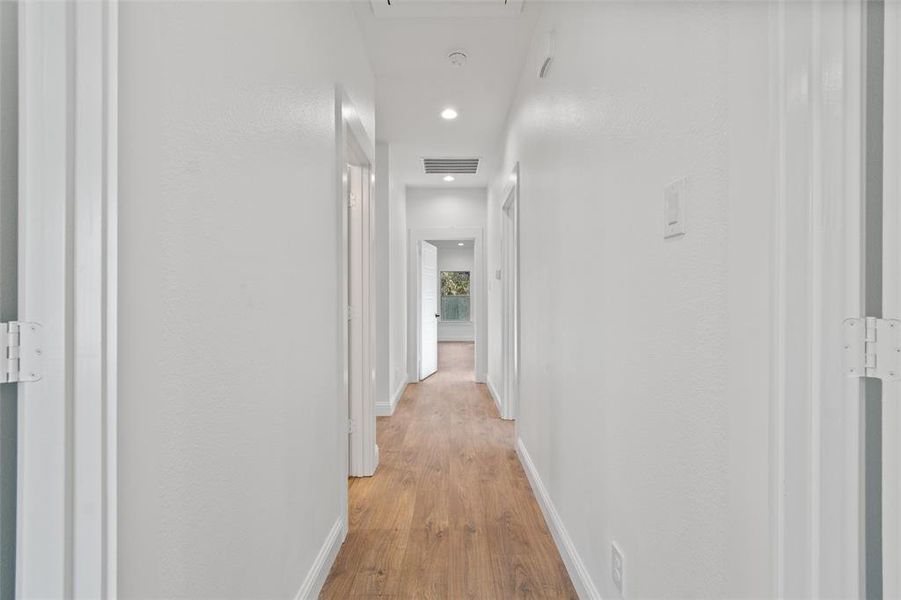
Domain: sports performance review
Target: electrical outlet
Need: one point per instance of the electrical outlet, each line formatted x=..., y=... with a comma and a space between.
x=617, y=568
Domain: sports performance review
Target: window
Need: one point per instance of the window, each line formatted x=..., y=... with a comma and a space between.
x=455, y=295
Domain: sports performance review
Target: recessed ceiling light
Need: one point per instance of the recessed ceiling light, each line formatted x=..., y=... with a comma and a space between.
x=448, y=178
x=460, y=244
x=449, y=114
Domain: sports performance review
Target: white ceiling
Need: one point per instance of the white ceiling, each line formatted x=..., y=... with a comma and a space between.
x=415, y=81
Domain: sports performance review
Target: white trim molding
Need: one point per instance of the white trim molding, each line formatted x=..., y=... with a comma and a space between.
x=322, y=564
x=495, y=396
x=575, y=566
x=386, y=409
x=66, y=522
x=816, y=75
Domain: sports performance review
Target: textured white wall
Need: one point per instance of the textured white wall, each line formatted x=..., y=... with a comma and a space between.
x=446, y=207
x=230, y=451
x=455, y=259
x=397, y=295
x=382, y=272
x=645, y=365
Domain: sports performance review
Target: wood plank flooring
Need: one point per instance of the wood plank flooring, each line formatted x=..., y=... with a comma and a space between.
x=450, y=513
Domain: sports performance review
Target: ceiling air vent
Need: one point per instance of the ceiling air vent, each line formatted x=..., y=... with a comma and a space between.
x=399, y=9
x=450, y=166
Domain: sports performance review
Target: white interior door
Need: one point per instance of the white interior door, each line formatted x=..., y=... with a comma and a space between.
x=9, y=151
x=428, y=290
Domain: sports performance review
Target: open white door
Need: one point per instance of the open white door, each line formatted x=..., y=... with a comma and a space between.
x=428, y=294
x=9, y=152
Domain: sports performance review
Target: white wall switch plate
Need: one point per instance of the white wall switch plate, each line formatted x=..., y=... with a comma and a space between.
x=675, y=197
x=617, y=568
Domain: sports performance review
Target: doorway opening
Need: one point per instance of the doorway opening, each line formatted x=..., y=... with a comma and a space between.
x=446, y=298
x=510, y=298
x=455, y=326
x=357, y=315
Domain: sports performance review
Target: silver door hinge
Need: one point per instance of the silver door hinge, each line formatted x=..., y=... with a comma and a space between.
x=872, y=348
x=348, y=312
x=20, y=352
x=350, y=426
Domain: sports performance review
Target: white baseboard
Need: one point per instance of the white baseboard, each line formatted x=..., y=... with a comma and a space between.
x=497, y=397
x=574, y=566
x=386, y=409
x=315, y=579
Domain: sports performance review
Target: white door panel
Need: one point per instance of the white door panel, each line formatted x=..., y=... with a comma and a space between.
x=8, y=291
x=428, y=261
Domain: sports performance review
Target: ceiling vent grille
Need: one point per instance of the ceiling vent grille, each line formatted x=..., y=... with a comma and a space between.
x=394, y=9
x=450, y=166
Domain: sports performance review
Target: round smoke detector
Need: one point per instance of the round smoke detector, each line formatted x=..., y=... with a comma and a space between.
x=457, y=58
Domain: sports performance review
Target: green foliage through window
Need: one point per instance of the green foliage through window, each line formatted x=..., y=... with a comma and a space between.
x=454, y=283
x=455, y=295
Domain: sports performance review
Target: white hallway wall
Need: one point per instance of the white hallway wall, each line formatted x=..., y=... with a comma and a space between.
x=455, y=259
x=645, y=381
x=446, y=207
x=230, y=452
x=382, y=284
x=397, y=274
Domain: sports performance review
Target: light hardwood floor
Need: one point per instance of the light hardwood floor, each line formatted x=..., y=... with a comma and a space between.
x=450, y=513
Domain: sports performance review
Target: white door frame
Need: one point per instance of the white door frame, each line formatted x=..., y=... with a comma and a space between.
x=355, y=145
x=891, y=391
x=66, y=521
x=510, y=297
x=477, y=285
x=817, y=281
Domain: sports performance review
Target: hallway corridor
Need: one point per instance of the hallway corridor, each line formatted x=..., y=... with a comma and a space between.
x=449, y=513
